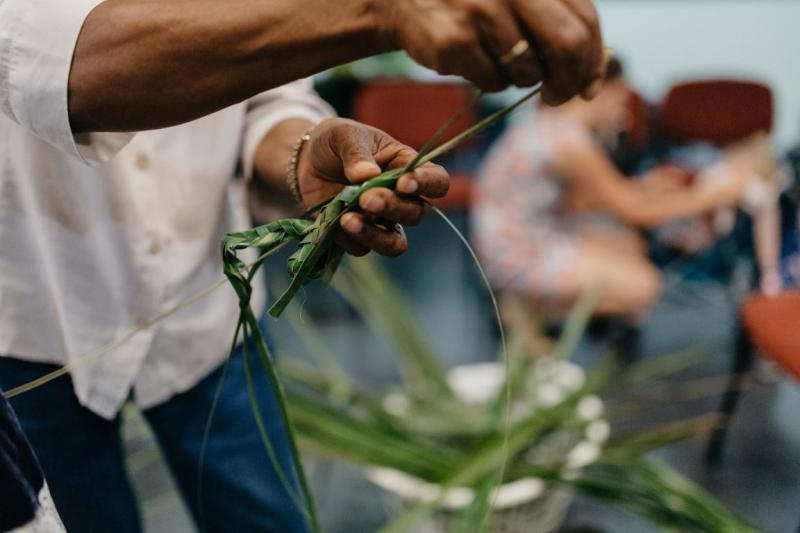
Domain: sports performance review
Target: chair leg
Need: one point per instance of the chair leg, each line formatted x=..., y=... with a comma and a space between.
x=742, y=364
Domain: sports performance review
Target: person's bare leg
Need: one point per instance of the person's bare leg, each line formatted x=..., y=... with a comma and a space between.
x=629, y=285
x=526, y=324
x=619, y=239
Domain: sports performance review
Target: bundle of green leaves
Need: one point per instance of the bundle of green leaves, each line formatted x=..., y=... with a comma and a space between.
x=317, y=256
x=425, y=429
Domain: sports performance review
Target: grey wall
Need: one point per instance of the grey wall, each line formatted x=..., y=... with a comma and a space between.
x=664, y=41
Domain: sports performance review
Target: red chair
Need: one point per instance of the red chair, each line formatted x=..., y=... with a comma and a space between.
x=716, y=111
x=639, y=128
x=768, y=325
x=412, y=113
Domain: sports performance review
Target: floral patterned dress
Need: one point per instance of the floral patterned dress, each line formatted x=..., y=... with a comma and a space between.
x=520, y=225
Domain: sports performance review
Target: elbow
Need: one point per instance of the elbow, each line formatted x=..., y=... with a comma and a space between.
x=78, y=110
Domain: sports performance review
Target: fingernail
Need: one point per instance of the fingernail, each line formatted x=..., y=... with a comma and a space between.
x=375, y=204
x=353, y=224
x=364, y=170
x=410, y=186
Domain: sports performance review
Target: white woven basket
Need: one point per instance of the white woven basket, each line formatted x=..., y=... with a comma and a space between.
x=522, y=506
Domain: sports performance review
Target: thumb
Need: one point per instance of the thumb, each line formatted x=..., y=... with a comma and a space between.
x=355, y=151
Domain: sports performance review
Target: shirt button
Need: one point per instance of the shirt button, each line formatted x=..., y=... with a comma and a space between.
x=142, y=162
x=154, y=248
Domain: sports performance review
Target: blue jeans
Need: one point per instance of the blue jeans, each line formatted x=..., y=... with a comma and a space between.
x=82, y=456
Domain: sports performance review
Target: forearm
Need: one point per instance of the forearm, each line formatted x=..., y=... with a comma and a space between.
x=718, y=186
x=650, y=210
x=144, y=64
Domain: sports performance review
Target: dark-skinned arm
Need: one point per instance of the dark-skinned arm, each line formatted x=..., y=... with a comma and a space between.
x=143, y=64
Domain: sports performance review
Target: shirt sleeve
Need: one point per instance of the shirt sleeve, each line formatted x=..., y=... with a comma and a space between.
x=266, y=110
x=37, y=43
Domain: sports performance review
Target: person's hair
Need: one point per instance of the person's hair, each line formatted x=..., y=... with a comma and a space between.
x=614, y=70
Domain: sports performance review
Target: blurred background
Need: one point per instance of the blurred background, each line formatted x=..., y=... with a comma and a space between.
x=703, y=75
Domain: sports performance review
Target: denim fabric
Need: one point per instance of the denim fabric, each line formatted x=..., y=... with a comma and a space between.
x=82, y=455
x=20, y=475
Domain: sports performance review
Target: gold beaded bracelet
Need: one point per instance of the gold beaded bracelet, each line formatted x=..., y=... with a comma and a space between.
x=292, y=178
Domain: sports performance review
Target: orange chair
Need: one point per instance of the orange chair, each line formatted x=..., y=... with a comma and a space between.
x=716, y=111
x=412, y=113
x=721, y=112
x=772, y=325
x=768, y=325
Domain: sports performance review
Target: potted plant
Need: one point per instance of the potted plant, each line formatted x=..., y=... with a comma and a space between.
x=488, y=447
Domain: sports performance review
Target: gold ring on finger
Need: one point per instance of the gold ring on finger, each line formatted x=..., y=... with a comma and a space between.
x=516, y=52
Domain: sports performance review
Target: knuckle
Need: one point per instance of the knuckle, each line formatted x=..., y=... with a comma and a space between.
x=388, y=196
x=406, y=152
x=339, y=134
x=588, y=12
x=572, y=41
x=479, y=8
x=353, y=148
x=451, y=41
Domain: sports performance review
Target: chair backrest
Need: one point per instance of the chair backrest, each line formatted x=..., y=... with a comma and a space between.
x=716, y=111
x=639, y=130
x=412, y=112
x=772, y=323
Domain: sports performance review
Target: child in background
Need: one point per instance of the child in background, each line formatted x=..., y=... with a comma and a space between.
x=760, y=201
x=554, y=218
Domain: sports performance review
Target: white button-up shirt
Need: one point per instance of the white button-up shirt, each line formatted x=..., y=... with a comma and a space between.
x=101, y=232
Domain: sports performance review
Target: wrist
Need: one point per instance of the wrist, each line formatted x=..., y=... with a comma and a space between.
x=273, y=155
x=298, y=164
